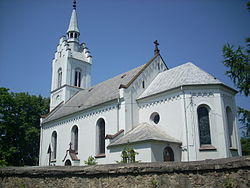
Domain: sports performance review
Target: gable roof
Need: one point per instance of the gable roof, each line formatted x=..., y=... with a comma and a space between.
x=144, y=67
x=98, y=94
x=186, y=74
x=144, y=132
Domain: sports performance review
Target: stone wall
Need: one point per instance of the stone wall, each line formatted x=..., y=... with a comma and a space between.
x=231, y=172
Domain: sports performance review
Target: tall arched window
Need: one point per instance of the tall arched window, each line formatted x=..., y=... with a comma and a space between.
x=100, y=136
x=74, y=138
x=59, y=77
x=204, y=125
x=77, y=82
x=230, y=127
x=54, y=145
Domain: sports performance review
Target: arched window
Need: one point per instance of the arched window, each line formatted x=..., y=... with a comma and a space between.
x=168, y=154
x=59, y=78
x=74, y=138
x=204, y=125
x=77, y=82
x=67, y=162
x=54, y=144
x=100, y=136
x=230, y=127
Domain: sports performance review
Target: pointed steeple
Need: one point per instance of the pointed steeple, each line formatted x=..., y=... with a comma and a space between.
x=73, y=26
x=73, y=31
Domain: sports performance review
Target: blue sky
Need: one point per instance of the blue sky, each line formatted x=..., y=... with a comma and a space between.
x=119, y=34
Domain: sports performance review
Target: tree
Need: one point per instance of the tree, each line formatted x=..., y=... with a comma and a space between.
x=20, y=127
x=128, y=155
x=91, y=161
x=238, y=62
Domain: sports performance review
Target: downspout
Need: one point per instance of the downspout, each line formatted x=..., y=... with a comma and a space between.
x=132, y=110
x=41, y=140
x=118, y=117
x=183, y=93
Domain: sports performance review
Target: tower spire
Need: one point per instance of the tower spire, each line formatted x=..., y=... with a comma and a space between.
x=73, y=31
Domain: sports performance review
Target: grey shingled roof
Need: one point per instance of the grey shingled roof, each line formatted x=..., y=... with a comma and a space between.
x=144, y=132
x=98, y=94
x=186, y=74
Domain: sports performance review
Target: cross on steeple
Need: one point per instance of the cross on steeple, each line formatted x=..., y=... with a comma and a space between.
x=156, y=51
x=74, y=4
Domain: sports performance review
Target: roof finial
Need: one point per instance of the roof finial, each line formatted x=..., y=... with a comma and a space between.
x=74, y=4
x=156, y=51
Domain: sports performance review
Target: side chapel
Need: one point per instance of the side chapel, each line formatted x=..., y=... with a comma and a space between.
x=164, y=114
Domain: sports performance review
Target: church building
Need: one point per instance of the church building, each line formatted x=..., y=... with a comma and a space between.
x=164, y=114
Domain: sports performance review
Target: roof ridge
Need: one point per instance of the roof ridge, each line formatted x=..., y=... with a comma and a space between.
x=203, y=71
x=194, y=65
x=144, y=132
x=182, y=75
x=118, y=75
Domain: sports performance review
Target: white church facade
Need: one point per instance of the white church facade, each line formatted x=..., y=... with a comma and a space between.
x=164, y=114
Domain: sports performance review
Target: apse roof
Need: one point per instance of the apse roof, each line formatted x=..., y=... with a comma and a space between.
x=144, y=132
x=186, y=74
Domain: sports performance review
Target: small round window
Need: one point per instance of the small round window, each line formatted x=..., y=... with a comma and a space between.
x=155, y=117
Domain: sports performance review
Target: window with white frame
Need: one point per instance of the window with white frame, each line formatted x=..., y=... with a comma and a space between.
x=54, y=145
x=204, y=125
x=100, y=136
x=230, y=127
x=77, y=81
x=59, y=77
x=74, y=138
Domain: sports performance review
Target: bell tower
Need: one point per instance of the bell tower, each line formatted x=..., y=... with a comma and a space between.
x=71, y=66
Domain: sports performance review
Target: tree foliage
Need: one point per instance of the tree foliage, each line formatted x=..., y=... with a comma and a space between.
x=91, y=161
x=128, y=155
x=20, y=127
x=238, y=63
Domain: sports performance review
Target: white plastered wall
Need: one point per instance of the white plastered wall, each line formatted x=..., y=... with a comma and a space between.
x=177, y=115
x=228, y=100
x=170, y=108
x=143, y=149
x=157, y=149
x=86, y=123
x=131, y=93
